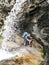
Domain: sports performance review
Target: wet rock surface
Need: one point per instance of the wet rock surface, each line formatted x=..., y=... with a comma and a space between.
x=24, y=20
x=26, y=56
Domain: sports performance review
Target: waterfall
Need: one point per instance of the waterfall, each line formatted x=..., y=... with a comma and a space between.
x=10, y=32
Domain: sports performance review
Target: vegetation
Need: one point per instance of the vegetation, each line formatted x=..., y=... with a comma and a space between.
x=1, y=37
x=42, y=53
x=38, y=63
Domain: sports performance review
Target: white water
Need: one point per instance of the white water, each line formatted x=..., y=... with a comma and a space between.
x=48, y=1
x=6, y=55
x=35, y=29
x=9, y=29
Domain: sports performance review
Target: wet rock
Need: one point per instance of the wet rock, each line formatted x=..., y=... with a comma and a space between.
x=10, y=46
x=26, y=56
x=11, y=43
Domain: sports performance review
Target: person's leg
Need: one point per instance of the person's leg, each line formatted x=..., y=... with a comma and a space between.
x=25, y=42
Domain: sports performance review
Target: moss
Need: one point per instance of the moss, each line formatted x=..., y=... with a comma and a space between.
x=1, y=37
x=42, y=53
x=38, y=63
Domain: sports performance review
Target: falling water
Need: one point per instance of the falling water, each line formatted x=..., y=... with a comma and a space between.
x=9, y=29
x=35, y=29
x=12, y=19
x=48, y=1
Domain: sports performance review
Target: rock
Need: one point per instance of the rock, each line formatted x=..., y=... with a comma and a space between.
x=10, y=46
x=5, y=7
x=25, y=56
x=19, y=40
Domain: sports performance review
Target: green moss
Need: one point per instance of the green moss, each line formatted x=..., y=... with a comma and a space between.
x=1, y=37
x=38, y=63
x=42, y=53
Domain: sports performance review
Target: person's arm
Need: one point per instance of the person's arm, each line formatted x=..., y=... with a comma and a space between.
x=29, y=39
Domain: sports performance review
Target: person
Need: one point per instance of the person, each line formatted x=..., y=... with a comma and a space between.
x=27, y=38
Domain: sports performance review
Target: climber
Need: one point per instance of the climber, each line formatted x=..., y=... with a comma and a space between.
x=27, y=38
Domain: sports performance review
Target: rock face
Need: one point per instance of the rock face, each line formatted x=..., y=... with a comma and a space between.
x=22, y=18
x=44, y=28
x=24, y=56
x=22, y=60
